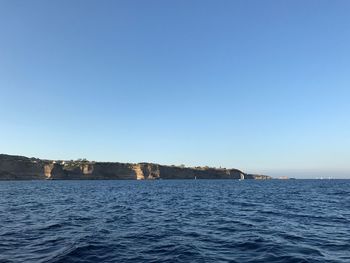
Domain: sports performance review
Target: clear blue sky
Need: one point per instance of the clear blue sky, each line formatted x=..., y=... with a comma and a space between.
x=263, y=86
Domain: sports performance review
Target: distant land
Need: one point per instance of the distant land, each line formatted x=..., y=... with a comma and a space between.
x=14, y=167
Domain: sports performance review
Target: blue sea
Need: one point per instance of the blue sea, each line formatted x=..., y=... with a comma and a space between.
x=175, y=221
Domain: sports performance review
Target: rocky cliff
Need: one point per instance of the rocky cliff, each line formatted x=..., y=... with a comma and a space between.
x=23, y=168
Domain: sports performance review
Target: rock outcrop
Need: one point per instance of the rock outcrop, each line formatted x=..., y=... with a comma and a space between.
x=23, y=168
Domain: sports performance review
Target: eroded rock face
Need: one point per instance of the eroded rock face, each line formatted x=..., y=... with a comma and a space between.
x=48, y=169
x=121, y=171
x=150, y=171
x=139, y=172
x=258, y=176
x=93, y=171
x=23, y=168
x=87, y=169
x=170, y=172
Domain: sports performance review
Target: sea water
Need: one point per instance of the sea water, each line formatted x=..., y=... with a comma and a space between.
x=175, y=221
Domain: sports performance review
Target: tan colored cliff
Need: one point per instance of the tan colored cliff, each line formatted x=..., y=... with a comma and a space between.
x=138, y=171
x=23, y=168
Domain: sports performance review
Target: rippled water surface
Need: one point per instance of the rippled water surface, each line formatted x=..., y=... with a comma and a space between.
x=175, y=221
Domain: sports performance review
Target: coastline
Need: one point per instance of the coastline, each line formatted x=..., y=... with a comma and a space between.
x=14, y=167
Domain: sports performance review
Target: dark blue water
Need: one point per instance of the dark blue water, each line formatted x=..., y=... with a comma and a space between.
x=175, y=221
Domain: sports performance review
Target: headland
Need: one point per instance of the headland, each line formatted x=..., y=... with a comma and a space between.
x=14, y=167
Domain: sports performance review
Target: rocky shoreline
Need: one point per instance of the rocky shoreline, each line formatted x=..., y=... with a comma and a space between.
x=23, y=168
